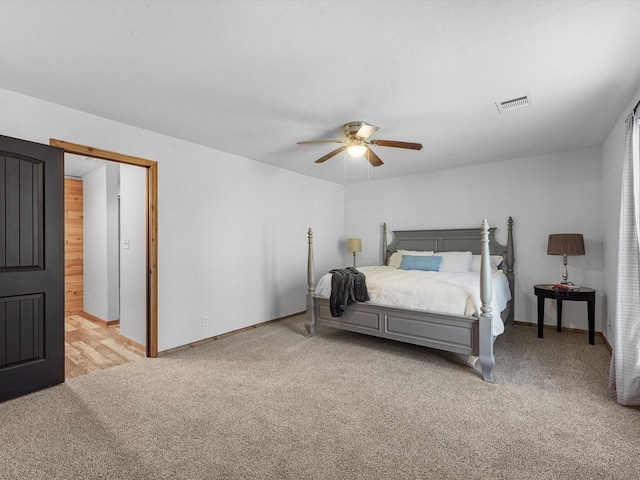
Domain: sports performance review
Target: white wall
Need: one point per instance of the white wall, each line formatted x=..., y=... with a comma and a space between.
x=100, y=244
x=612, y=156
x=133, y=253
x=95, y=243
x=232, y=232
x=545, y=194
x=113, y=271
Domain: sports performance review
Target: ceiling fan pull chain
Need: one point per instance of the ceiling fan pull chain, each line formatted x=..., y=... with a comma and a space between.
x=368, y=165
x=345, y=167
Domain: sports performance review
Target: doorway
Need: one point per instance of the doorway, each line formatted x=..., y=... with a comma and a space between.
x=150, y=221
x=105, y=264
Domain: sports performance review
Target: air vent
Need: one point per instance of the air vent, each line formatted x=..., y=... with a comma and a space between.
x=515, y=103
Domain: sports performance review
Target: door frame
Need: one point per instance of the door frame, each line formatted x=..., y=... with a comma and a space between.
x=152, y=226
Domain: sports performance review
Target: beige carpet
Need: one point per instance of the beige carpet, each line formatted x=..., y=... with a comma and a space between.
x=271, y=404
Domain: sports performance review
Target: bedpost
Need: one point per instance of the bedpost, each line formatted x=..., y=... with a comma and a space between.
x=310, y=319
x=384, y=244
x=487, y=359
x=509, y=272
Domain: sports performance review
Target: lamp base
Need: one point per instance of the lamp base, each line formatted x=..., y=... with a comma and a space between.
x=565, y=272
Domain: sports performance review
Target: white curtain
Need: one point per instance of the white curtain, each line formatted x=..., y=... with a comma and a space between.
x=626, y=362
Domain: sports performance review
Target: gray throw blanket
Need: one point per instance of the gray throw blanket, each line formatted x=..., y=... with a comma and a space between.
x=348, y=285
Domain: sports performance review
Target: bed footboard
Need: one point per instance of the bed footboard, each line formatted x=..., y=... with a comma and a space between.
x=442, y=331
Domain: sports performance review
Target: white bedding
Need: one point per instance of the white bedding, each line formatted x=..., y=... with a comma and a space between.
x=448, y=292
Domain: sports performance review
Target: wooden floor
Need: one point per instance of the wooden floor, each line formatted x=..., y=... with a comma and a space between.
x=90, y=346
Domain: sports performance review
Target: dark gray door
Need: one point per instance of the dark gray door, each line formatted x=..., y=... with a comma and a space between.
x=31, y=267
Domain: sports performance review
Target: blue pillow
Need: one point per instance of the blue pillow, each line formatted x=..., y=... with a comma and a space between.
x=428, y=264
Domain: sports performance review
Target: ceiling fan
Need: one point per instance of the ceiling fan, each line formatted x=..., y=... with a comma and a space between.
x=357, y=143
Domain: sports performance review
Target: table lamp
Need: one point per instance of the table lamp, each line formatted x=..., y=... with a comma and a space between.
x=565, y=244
x=354, y=245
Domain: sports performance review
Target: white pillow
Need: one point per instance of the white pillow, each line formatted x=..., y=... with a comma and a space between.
x=414, y=253
x=494, y=260
x=455, y=261
x=395, y=260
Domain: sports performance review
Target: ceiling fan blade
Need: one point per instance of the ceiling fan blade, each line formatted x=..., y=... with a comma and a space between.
x=311, y=142
x=393, y=143
x=374, y=159
x=365, y=131
x=330, y=154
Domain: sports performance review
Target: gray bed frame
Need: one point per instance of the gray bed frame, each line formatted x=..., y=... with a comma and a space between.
x=453, y=333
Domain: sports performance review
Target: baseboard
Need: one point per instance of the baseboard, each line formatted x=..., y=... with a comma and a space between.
x=93, y=318
x=569, y=330
x=133, y=343
x=606, y=343
x=222, y=335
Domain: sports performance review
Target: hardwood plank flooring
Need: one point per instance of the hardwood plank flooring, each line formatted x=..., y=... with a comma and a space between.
x=90, y=346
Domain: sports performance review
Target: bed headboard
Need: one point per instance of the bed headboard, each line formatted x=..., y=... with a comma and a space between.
x=456, y=240
x=449, y=240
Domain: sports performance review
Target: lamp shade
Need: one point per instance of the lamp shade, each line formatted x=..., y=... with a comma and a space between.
x=565, y=243
x=354, y=245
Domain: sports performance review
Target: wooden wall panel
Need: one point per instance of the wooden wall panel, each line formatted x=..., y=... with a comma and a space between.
x=73, y=259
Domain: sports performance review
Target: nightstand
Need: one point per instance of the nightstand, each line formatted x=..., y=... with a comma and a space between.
x=584, y=294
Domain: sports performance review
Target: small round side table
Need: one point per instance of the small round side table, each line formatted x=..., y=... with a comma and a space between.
x=584, y=294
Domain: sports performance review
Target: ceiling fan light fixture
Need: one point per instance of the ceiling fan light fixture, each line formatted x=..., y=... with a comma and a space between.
x=356, y=150
x=357, y=142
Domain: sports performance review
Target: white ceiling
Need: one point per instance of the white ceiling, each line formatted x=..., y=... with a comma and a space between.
x=254, y=77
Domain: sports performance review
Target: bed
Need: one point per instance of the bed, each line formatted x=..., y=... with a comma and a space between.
x=470, y=332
